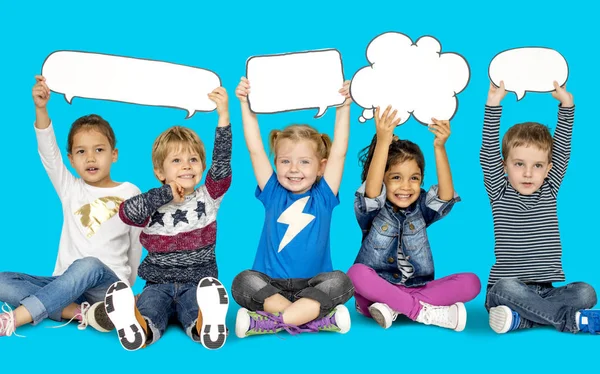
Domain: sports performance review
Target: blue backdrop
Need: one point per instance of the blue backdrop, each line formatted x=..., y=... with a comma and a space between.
x=220, y=36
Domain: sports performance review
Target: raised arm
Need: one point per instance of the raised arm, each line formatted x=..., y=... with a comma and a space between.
x=384, y=125
x=260, y=162
x=48, y=149
x=561, y=151
x=489, y=154
x=341, y=134
x=218, y=178
x=441, y=129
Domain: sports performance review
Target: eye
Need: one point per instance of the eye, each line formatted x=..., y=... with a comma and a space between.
x=99, y=150
x=194, y=159
x=305, y=162
x=175, y=160
x=519, y=164
x=284, y=161
x=415, y=178
x=539, y=166
x=395, y=177
x=79, y=152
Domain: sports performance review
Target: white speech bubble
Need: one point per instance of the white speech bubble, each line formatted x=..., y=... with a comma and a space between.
x=529, y=69
x=414, y=78
x=130, y=80
x=294, y=81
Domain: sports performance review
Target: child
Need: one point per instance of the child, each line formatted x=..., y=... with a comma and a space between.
x=528, y=252
x=292, y=285
x=96, y=248
x=180, y=232
x=393, y=272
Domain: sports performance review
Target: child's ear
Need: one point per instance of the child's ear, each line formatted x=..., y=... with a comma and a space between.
x=70, y=156
x=160, y=175
x=322, y=166
x=504, y=166
x=115, y=155
x=548, y=169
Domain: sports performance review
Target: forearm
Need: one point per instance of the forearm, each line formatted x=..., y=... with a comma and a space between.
x=376, y=170
x=444, y=175
x=42, y=119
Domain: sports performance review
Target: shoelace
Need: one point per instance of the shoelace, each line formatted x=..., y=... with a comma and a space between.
x=85, y=306
x=320, y=323
x=7, y=322
x=432, y=314
x=272, y=323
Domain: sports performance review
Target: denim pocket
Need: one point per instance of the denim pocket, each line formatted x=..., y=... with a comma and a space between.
x=414, y=236
x=382, y=234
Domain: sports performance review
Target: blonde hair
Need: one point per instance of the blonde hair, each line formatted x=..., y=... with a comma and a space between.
x=296, y=133
x=527, y=134
x=176, y=137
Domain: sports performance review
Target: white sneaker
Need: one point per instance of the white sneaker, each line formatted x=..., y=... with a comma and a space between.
x=383, y=314
x=451, y=317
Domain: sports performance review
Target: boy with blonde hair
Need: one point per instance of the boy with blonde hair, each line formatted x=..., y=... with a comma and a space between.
x=180, y=232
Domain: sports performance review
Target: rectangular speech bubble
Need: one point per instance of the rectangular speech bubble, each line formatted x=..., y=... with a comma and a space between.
x=295, y=81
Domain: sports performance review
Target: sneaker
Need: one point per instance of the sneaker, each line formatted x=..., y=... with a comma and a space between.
x=503, y=319
x=7, y=321
x=588, y=320
x=250, y=323
x=338, y=320
x=452, y=317
x=129, y=323
x=382, y=314
x=213, y=303
x=97, y=318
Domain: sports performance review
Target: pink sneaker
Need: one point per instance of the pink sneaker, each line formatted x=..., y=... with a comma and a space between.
x=7, y=321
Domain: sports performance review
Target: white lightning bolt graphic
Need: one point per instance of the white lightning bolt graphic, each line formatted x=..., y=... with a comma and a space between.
x=296, y=220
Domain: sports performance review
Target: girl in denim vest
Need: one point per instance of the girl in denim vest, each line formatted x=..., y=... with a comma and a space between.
x=393, y=272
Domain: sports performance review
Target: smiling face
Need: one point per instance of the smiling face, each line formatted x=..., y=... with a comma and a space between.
x=182, y=165
x=298, y=165
x=92, y=156
x=403, y=183
x=527, y=167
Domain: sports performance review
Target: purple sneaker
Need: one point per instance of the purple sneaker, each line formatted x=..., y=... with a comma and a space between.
x=250, y=323
x=338, y=320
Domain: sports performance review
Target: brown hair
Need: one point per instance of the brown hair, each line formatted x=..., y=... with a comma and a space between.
x=91, y=122
x=400, y=150
x=177, y=137
x=527, y=134
x=296, y=133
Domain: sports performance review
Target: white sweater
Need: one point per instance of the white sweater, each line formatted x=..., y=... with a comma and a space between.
x=91, y=223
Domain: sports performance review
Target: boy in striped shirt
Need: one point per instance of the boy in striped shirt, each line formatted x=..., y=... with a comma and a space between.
x=522, y=184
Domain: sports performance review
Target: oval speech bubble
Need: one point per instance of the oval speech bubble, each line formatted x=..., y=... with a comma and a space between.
x=528, y=69
x=294, y=81
x=130, y=80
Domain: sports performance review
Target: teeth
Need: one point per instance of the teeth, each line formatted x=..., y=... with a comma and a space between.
x=295, y=179
x=186, y=176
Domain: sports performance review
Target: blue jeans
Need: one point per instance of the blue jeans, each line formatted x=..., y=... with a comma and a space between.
x=87, y=279
x=541, y=303
x=161, y=302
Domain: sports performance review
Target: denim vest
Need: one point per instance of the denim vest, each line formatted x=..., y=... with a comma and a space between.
x=385, y=231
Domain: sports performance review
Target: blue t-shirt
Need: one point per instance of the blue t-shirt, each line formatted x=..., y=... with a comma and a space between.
x=295, y=238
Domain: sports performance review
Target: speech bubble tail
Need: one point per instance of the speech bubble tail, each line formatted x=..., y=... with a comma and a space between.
x=69, y=98
x=321, y=111
x=361, y=119
x=520, y=95
x=190, y=113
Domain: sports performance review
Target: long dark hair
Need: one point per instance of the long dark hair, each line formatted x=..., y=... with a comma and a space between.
x=400, y=150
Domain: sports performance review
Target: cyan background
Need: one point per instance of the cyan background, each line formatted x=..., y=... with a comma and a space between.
x=220, y=36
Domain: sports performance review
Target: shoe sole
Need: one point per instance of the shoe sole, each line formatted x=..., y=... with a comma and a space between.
x=462, y=317
x=379, y=318
x=120, y=308
x=242, y=323
x=500, y=319
x=213, y=302
x=100, y=320
x=342, y=317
